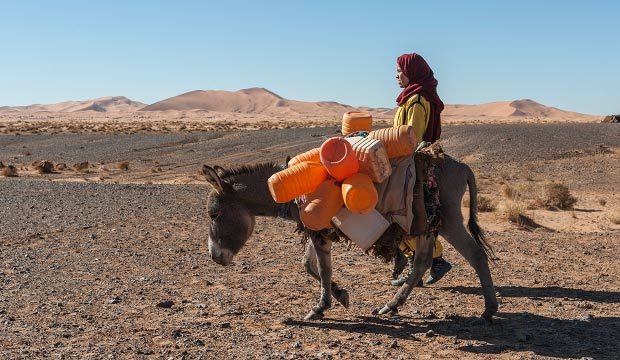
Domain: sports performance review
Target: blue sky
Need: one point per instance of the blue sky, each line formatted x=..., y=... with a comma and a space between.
x=560, y=53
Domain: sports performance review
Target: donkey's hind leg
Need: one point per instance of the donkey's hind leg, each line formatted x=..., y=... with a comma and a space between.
x=310, y=264
x=465, y=244
x=421, y=262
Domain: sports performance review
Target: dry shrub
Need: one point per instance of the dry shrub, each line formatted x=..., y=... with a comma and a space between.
x=615, y=219
x=485, y=204
x=559, y=197
x=10, y=171
x=124, y=165
x=510, y=192
x=514, y=211
x=602, y=202
x=61, y=166
x=43, y=166
x=79, y=167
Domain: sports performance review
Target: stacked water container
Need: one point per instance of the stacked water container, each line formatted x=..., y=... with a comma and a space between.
x=336, y=181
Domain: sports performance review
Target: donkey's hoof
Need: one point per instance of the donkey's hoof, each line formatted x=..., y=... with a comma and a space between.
x=343, y=298
x=487, y=317
x=387, y=310
x=313, y=315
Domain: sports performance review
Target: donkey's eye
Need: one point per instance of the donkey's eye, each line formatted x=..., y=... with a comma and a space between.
x=214, y=214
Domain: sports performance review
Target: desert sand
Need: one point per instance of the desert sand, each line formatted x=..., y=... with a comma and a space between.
x=106, y=256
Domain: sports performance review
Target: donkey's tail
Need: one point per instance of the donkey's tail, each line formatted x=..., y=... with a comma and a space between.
x=472, y=224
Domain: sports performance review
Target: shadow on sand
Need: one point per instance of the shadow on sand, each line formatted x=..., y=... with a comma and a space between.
x=551, y=291
x=592, y=338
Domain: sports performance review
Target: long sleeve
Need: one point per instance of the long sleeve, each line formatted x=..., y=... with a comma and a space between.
x=415, y=112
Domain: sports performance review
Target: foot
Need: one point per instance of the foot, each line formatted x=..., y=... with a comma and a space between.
x=439, y=268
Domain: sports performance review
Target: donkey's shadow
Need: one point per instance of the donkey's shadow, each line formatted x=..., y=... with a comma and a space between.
x=545, y=336
x=593, y=337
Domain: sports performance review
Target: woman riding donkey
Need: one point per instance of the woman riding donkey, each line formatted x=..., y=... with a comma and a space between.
x=419, y=106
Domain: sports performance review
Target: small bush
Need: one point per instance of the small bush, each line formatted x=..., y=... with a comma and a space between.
x=123, y=165
x=485, y=204
x=43, y=166
x=559, y=197
x=514, y=212
x=510, y=192
x=9, y=171
x=615, y=219
x=79, y=167
x=602, y=202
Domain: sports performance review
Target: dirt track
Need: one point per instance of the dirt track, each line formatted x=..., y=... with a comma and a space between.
x=84, y=263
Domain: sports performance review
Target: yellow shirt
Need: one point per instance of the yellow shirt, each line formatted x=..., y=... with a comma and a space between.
x=415, y=112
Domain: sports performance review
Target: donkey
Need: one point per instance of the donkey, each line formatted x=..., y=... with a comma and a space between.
x=241, y=194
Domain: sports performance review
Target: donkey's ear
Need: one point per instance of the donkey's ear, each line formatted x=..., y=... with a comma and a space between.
x=213, y=178
x=288, y=159
x=219, y=170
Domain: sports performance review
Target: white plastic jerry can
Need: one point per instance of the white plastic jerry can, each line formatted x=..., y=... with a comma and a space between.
x=372, y=156
x=363, y=229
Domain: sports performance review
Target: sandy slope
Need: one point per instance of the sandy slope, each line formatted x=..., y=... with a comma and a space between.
x=254, y=100
x=113, y=104
x=261, y=102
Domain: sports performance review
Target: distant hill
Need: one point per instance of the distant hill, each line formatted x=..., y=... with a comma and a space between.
x=524, y=107
x=263, y=101
x=254, y=100
x=103, y=104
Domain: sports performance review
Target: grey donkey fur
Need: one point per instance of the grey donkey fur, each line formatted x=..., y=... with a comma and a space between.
x=241, y=194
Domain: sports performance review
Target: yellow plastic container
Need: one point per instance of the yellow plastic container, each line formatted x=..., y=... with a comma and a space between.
x=310, y=155
x=296, y=180
x=353, y=121
x=398, y=141
x=321, y=205
x=338, y=157
x=359, y=193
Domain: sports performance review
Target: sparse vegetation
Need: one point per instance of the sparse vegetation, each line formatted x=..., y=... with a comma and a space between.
x=510, y=192
x=485, y=204
x=43, y=166
x=514, y=211
x=123, y=165
x=10, y=171
x=602, y=202
x=61, y=166
x=80, y=167
x=559, y=197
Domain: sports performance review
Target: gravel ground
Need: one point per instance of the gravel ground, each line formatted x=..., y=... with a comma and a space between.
x=102, y=270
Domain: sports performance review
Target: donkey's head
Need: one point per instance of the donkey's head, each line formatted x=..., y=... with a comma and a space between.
x=232, y=222
x=238, y=196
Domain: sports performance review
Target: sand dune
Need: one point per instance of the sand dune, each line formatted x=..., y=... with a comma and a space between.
x=261, y=101
x=524, y=107
x=253, y=100
x=103, y=104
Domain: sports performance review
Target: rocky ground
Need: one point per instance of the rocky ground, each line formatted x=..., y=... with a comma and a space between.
x=111, y=262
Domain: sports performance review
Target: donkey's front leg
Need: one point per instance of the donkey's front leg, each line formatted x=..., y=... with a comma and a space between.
x=323, y=248
x=421, y=262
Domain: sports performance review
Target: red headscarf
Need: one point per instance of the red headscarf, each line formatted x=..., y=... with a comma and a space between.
x=421, y=81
